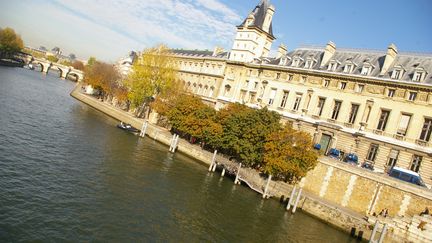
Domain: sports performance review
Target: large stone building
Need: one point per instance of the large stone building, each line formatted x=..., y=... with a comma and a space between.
x=376, y=104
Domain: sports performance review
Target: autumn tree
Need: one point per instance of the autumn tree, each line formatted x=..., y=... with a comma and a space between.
x=10, y=42
x=288, y=154
x=153, y=75
x=102, y=76
x=78, y=65
x=245, y=130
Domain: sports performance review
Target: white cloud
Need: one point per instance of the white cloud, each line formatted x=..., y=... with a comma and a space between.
x=193, y=24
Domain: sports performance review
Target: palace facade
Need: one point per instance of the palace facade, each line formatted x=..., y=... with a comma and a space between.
x=375, y=104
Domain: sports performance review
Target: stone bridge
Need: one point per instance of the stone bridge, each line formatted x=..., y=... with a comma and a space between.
x=47, y=66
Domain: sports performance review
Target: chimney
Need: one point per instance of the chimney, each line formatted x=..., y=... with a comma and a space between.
x=389, y=58
x=268, y=18
x=282, y=51
x=329, y=51
x=217, y=50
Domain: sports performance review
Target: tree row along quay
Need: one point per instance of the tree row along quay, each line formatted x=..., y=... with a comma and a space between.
x=310, y=203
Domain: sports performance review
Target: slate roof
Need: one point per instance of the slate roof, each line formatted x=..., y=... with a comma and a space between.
x=410, y=62
x=259, y=14
x=198, y=53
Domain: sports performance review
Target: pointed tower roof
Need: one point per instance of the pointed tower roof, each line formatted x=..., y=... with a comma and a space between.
x=258, y=15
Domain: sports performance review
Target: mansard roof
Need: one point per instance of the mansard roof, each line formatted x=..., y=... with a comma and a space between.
x=198, y=53
x=259, y=14
x=411, y=62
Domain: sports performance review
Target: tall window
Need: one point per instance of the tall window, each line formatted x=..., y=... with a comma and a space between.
x=393, y=157
x=426, y=130
x=326, y=83
x=412, y=96
x=297, y=102
x=372, y=153
x=336, y=109
x=284, y=99
x=391, y=92
x=416, y=163
x=290, y=77
x=272, y=96
x=403, y=124
x=278, y=75
x=348, y=68
x=360, y=88
x=320, y=106
x=418, y=76
x=227, y=90
x=242, y=95
x=382, y=123
x=342, y=85
x=353, y=113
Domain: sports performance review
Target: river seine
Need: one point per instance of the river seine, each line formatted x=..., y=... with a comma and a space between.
x=68, y=174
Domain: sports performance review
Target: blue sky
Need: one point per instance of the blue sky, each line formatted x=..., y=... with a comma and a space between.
x=109, y=29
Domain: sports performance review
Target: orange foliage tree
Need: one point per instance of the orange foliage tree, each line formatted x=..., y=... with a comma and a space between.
x=288, y=154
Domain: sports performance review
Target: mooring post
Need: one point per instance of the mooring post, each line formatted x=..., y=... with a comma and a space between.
x=237, y=175
x=176, y=140
x=213, y=160
x=372, y=238
x=297, y=200
x=144, y=129
x=214, y=166
x=291, y=198
x=223, y=172
x=172, y=142
x=383, y=233
x=266, y=187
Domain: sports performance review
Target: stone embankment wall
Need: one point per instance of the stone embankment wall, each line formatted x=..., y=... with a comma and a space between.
x=340, y=194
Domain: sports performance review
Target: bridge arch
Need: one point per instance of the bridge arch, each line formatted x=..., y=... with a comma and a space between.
x=73, y=76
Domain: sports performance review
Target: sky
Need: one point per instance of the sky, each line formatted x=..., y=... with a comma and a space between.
x=109, y=29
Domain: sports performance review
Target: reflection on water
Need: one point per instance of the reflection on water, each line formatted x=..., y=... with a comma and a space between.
x=67, y=173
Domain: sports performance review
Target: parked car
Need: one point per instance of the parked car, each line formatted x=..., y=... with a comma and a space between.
x=406, y=175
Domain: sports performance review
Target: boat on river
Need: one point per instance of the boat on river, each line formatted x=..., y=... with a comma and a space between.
x=127, y=127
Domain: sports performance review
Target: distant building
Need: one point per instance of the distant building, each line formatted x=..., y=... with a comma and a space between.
x=376, y=104
x=124, y=65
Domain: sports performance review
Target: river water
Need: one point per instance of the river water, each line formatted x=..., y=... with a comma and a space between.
x=68, y=174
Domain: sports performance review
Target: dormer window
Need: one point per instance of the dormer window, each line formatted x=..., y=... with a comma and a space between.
x=296, y=62
x=366, y=69
x=283, y=61
x=397, y=72
x=419, y=75
x=348, y=68
x=308, y=63
x=332, y=66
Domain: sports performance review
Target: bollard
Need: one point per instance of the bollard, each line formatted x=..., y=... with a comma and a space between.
x=237, y=175
x=214, y=167
x=144, y=129
x=266, y=187
x=383, y=233
x=223, y=172
x=172, y=142
x=297, y=200
x=175, y=144
x=291, y=198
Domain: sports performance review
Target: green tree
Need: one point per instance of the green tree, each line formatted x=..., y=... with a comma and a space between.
x=52, y=58
x=288, y=154
x=152, y=75
x=91, y=61
x=245, y=130
x=10, y=42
